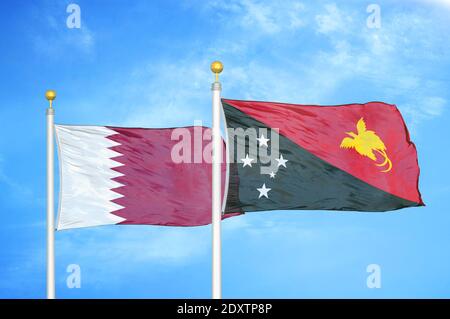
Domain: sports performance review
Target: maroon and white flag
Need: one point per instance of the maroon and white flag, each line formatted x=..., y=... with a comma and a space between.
x=113, y=175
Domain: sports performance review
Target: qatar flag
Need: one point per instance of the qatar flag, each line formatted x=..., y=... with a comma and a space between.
x=113, y=175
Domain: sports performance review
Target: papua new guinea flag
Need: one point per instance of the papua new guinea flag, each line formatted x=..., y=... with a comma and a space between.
x=116, y=175
x=355, y=157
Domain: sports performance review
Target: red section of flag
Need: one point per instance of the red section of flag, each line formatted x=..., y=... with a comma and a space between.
x=321, y=129
x=158, y=191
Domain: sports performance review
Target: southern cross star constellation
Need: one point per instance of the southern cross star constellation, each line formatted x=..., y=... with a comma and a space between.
x=247, y=162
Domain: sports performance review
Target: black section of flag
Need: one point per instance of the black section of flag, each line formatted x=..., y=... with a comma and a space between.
x=306, y=183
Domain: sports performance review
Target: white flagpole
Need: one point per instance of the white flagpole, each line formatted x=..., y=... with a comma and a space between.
x=50, y=96
x=216, y=68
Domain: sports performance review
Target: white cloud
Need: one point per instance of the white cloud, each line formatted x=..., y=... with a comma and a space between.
x=272, y=17
x=332, y=20
x=424, y=108
x=266, y=17
x=20, y=193
x=434, y=105
x=59, y=40
x=134, y=244
x=168, y=94
x=443, y=3
x=53, y=37
x=390, y=59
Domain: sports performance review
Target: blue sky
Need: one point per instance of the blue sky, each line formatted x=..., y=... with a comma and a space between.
x=146, y=63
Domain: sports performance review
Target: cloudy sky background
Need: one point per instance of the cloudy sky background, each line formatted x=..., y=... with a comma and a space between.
x=142, y=63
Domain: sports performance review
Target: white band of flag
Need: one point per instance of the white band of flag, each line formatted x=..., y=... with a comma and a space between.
x=86, y=177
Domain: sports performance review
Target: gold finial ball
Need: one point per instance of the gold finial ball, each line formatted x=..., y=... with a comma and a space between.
x=50, y=95
x=216, y=67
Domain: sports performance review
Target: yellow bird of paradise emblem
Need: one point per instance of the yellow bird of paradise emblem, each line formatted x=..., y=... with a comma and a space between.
x=367, y=142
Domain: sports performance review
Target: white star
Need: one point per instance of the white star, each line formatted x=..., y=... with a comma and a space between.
x=247, y=161
x=281, y=161
x=263, y=141
x=263, y=191
x=272, y=175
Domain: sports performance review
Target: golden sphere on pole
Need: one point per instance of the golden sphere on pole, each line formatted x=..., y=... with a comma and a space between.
x=216, y=67
x=50, y=95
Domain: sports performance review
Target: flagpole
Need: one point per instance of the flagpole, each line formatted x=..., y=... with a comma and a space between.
x=216, y=68
x=50, y=95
